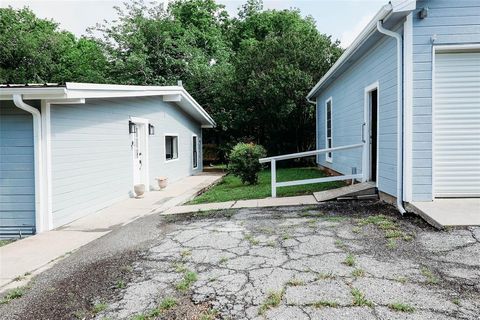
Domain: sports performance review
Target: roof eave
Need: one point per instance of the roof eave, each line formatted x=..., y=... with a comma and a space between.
x=367, y=32
x=74, y=91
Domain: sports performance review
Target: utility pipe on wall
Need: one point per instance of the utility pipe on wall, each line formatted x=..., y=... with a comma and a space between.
x=38, y=156
x=398, y=37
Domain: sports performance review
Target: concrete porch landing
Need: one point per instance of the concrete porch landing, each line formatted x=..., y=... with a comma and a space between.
x=23, y=258
x=449, y=212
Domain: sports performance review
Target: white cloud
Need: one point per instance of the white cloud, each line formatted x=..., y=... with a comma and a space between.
x=348, y=36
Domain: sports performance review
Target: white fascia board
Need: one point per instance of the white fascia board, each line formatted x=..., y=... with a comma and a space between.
x=78, y=91
x=115, y=87
x=369, y=30
x=33, y=93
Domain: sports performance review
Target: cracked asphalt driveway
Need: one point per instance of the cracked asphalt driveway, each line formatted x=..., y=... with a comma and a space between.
x=332, y=261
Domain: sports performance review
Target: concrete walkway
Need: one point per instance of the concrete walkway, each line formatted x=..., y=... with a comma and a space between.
x=255, y=203
x=23, y=258
x=450, y=212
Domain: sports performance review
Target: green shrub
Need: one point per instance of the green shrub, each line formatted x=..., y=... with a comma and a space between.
x=244, y=162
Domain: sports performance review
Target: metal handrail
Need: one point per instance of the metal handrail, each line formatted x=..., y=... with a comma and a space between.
x=309, y=153
x=273, y=162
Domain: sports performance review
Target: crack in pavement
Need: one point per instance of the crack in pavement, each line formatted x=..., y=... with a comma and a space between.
x=241, y=257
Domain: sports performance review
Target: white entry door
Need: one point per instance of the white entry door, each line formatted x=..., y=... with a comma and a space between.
x=140, y=156
x=456, y=124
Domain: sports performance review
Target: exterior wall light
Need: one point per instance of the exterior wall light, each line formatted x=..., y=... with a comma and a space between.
x=132, y=128
x=151, y=130
x=422, y=14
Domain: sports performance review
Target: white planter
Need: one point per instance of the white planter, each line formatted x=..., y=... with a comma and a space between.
x=139, y=190
x=162, y=182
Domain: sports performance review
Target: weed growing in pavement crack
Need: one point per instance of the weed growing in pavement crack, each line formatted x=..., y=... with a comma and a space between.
x=359, y=299
x=357, y=273
x=223, y=260
x=390, y=228
x=286, y=236
x=428, y=274
x=185, y=253
x=99, y=307
x=401, y=307
x=324, y=276
x=189, y=277
x=273, y=300
x=167, y=303
x=251, y=239
x=391, y=244
x=350, y=260
x=340, y=244
x=295, y=282
x=210, y=314
x=179, y=267
x=13, y=294
x=120, y=284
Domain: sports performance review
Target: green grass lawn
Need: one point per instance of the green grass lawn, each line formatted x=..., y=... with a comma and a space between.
x=231, y=188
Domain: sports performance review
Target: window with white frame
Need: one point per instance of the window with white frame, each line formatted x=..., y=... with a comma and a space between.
x=328, y=127
x=171, y=147
x=195, y=151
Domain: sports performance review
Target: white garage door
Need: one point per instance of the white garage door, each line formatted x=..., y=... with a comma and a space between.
x=456, y=121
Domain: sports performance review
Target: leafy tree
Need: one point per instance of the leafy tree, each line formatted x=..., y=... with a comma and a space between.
x=251, y=73
x=279, y=57
x=34, y=50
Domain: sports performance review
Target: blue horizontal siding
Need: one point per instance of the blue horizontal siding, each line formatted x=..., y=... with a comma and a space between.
x=452, y=22
x=92, y=157
x=17, y=180
x=348, y=92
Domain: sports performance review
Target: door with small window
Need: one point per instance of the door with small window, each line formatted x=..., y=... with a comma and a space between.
x=139, y=137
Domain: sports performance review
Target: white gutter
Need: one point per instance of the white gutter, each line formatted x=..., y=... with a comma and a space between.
x=398, y=37
x=38, y=156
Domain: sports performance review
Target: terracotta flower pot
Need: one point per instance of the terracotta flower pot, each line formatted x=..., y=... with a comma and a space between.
x=162, y=182
x=139, y=190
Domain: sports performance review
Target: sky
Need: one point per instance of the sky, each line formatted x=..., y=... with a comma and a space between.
x=342, y=19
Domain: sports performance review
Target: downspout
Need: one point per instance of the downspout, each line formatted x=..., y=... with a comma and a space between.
x=37, y=150
x=398, y=37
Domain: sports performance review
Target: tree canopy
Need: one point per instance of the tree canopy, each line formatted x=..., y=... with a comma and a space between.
x=251, y=72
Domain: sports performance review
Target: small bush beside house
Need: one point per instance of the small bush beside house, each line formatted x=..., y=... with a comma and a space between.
x=244, y=162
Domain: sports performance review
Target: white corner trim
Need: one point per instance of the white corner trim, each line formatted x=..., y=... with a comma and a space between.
x=330, y=99
x=47, y=163
x=408, y=108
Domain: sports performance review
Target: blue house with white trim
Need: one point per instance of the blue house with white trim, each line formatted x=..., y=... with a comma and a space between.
x=409, y=87
x=70, y=150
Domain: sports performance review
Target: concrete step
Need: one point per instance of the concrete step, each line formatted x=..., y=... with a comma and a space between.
x=360, y=190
